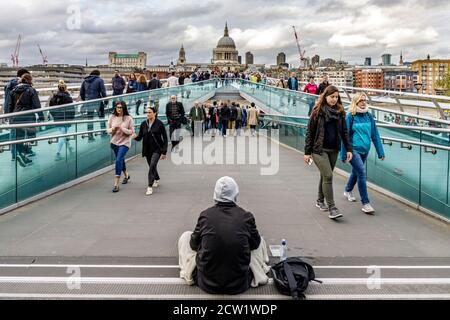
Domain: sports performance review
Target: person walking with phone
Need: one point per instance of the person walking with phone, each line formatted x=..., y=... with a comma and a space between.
x=121, y=129
x=326, y=129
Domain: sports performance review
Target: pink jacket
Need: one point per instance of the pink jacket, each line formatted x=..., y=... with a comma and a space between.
x=311, y=88
x=122, y=137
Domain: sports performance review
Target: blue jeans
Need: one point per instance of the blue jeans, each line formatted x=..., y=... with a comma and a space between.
x=62, y=141
x=120, y=152
x=358, y=175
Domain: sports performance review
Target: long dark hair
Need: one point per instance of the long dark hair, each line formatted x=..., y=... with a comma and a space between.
x=124, y=109
x=323, y=101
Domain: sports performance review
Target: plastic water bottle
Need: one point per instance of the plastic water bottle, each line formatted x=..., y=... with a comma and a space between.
x=284, y=254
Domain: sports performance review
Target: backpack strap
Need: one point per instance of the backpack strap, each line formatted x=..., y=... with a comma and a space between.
x=291, y=280
x=18, y=100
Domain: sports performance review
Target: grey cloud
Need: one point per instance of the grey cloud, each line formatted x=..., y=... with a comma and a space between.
x=158, y=27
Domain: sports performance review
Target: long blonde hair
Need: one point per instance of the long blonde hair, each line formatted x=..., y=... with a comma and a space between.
x=355, y=100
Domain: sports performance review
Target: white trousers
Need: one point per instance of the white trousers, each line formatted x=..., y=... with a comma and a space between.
x=258, y=261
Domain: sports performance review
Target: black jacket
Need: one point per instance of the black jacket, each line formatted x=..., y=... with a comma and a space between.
x=24, y=97
x=322, y=87
x=154, y=84
x=174, y=112
x=223, y=238
x=155, y=140
x=62, y=114
x=316, y=132
x=225, y=113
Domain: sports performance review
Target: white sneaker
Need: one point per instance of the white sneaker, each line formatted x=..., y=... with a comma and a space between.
x=156, y=184
x=149, y=191
x=350, y=197
x=367, y=208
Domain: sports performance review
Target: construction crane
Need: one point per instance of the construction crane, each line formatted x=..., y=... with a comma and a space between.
x=15, y=55
x=44, y=58
x=302, y=53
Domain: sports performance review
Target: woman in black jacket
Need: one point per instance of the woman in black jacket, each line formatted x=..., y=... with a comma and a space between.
x=326, y=130
x=154, y=146
x=62, y=114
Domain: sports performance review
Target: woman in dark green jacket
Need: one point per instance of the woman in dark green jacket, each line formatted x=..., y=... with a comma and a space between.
x=326, y=130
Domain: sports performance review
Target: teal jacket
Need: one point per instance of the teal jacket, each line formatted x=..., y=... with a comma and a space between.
x=362, y=131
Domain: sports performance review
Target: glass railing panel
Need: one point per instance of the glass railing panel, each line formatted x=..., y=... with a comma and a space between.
x=93, y=150
x=40, y=169
x=8, y=172
x=435, y=180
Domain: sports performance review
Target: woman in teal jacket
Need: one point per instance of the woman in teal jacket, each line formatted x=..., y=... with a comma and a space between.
x=362, y=132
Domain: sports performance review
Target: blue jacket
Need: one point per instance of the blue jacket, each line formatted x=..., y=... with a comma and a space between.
x=362, y=131
x=140, y=87
x=293, y=83
x=8, y=91
x=118, y=84
x=92, y=87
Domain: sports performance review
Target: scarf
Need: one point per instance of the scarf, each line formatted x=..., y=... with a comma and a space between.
x=359, y=110
x=330, y=113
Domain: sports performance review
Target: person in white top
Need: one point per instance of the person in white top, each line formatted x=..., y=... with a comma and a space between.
x=187, y=81
x=172, y=81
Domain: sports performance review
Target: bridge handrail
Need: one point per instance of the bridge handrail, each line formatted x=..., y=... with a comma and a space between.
x=79, y=103
x=423, y=144
x=447, y=122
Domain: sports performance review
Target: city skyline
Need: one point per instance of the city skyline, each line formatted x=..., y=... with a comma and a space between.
x=370, y=28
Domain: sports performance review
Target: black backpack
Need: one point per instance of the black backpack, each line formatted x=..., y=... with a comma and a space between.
x=292, y=276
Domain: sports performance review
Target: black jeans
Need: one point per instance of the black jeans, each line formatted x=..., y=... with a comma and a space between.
x=152, y=161
x=175, y=139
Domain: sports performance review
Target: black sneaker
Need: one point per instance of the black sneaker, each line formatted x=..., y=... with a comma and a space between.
x=116, y=189
x=125, y=180
x=334, y=213
x=21, y=161
x=321, y=205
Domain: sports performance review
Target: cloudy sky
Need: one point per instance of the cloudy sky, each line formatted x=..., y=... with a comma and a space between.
x=71, y=31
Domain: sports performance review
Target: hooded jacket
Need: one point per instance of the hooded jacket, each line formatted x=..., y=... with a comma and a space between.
x=24, y=97
x=8, y=92
x=62, y=114
x=224, y=237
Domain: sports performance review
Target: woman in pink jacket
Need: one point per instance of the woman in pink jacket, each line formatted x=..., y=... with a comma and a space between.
x=121, y=128
x=312, y=89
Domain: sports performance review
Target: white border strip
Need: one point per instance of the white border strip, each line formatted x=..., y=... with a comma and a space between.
x=227, y=297
x=117, y=280
x=166, y=266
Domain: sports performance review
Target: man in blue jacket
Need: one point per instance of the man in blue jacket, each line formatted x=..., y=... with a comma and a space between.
x=118, y=84
x=93, y=87
x=292, y=85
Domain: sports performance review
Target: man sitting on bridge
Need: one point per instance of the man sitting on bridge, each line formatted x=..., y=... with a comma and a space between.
x=225, y=254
